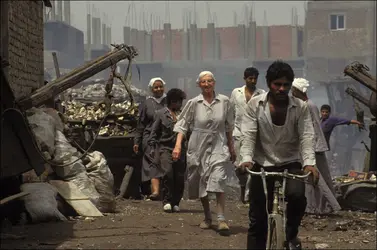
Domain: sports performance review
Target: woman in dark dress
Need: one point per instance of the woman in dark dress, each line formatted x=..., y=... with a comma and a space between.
x=146, y=114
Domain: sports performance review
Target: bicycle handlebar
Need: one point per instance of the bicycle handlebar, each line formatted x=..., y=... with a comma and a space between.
x=278, y=174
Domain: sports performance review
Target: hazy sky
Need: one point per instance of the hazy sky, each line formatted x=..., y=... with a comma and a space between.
x=277, y=12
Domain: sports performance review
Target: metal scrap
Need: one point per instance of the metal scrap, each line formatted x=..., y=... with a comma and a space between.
x=75, y=110
x=79, y=114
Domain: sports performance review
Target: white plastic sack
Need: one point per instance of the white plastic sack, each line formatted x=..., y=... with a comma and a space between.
x=64, y=154
x=43, y=126
x=86, y=186
x=63, y=149
x=41, y=203
x=59, y=125
x=103, y=180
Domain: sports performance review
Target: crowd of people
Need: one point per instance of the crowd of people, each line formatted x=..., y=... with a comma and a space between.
x=252, y=129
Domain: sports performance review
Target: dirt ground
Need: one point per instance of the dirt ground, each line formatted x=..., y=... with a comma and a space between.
x=143, y=224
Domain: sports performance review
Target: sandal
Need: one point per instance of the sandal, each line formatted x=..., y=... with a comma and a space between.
x=205, y=224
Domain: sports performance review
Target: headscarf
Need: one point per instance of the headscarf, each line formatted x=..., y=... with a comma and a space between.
x=301, y=84
x=150, y=86
x=205, y=73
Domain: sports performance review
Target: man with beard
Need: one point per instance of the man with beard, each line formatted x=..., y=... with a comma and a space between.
x=239, y=98
x=277, y=132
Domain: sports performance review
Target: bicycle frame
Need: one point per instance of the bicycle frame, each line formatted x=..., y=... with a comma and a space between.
x=278, y=202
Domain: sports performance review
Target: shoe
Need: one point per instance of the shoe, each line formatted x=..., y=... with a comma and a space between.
x=154, y=197
x=223, y=228
x=167, y=208
x=295, y=244
x=176, y=209
x=206, y=224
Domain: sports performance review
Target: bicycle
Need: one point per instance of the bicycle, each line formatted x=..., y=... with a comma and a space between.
x=276, y=236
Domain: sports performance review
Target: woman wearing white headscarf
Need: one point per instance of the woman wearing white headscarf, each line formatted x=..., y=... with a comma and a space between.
x=210, y=118
x=321, y=198
x=154, y=102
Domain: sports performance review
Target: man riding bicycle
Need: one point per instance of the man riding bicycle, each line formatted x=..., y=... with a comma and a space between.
x=277, y=133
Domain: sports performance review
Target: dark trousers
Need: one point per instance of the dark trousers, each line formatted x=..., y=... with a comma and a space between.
x=173, y=182
x=295, y=196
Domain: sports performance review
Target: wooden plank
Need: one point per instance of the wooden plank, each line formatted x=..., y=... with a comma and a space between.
x=74, y=77
x=85, y=208
x=72, y=195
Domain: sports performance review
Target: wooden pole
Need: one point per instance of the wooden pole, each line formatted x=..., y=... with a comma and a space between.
x=57, y=73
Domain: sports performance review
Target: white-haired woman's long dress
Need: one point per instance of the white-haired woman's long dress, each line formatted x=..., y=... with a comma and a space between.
x=207, y=153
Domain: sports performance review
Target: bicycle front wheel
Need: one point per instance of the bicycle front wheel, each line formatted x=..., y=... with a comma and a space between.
x=276, y=235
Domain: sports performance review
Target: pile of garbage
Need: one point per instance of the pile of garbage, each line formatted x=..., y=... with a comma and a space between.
x=96, y=91
x=78, y=114
x=85, y=183
x=79, y=111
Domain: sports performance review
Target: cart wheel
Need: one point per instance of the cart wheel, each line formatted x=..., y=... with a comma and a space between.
x=275, y=238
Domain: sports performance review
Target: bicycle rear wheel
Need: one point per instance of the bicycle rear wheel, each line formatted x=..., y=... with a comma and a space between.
x=276, y=235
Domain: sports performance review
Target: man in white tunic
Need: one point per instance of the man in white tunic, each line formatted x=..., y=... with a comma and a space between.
x=239, y=99
x=321, y=198
x=210, y=118
x=276, y=130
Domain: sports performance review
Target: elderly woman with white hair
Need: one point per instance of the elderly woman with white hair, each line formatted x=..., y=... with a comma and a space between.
x=320, y=199
x=210, y=118
x=150, y=169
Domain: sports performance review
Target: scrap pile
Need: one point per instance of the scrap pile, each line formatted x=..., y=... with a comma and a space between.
x=120, y=123
x=84, y=108
x=355, y=176
x=95, y=91
x=357, y=191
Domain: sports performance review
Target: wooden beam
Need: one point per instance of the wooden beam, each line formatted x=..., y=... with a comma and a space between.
x=76, y=76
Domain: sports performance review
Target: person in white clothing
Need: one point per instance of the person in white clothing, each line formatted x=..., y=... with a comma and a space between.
x=239, y=99
x=277, y=134
x=210, y=117
x=321, y=198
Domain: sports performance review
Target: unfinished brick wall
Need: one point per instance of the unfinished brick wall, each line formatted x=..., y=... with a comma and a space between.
x=25, y=46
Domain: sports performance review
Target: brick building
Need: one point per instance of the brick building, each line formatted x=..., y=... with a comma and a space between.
x=22, y=44
x=337, y=34
x=279, y=42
